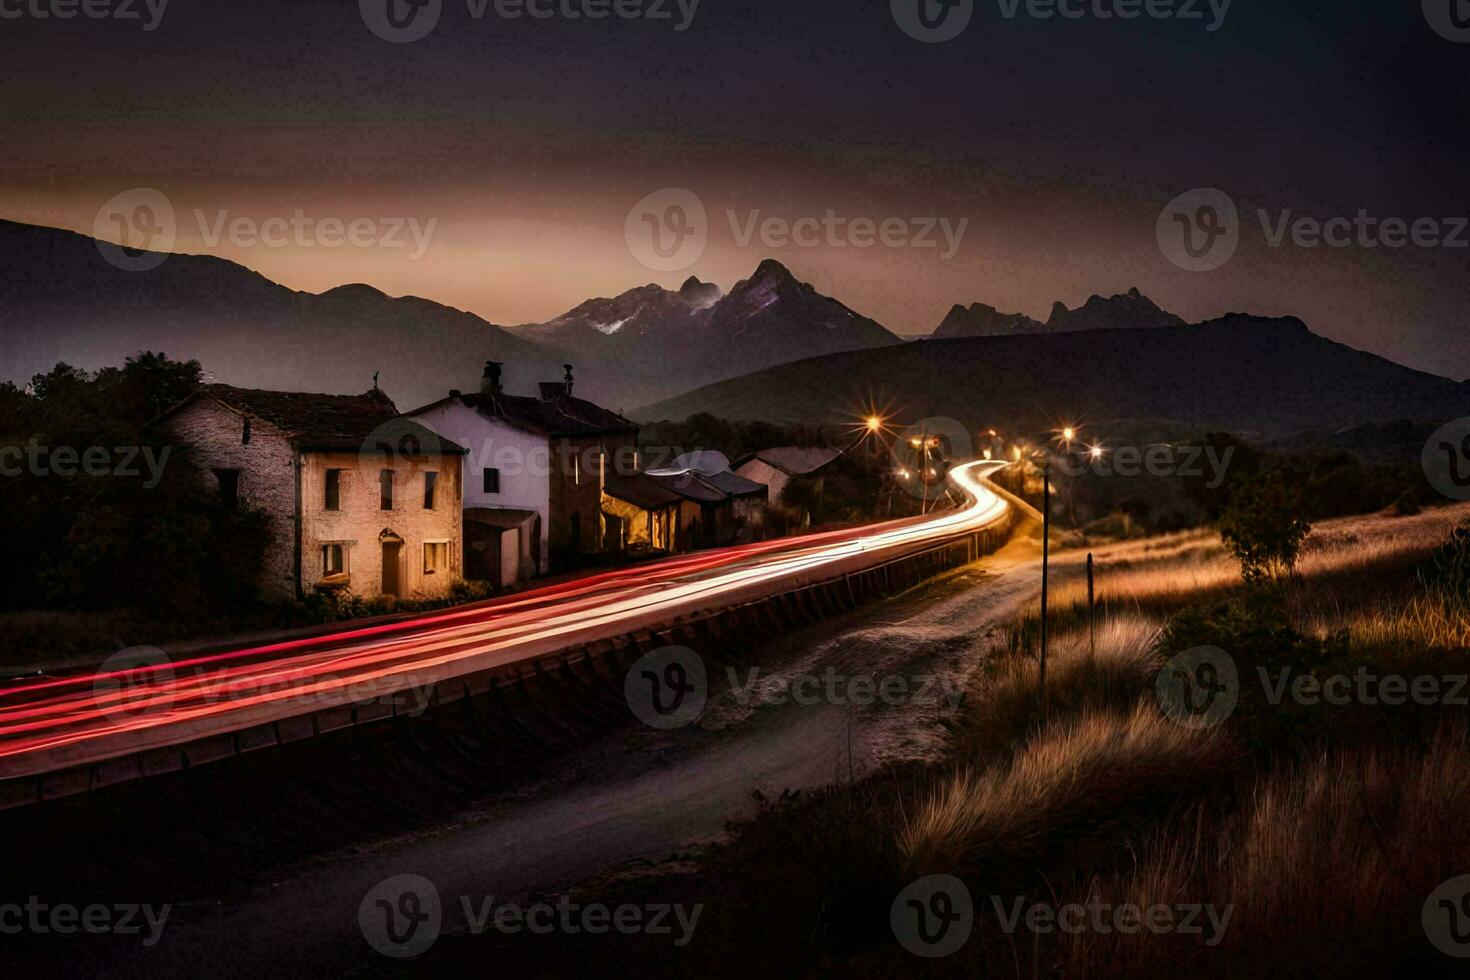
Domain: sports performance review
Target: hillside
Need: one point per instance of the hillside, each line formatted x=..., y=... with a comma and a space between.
x=1268, y=377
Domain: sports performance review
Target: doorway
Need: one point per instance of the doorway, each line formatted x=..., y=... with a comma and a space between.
x=391, y=553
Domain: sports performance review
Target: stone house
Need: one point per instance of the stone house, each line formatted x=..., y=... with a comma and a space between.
x=777, y=466
x=533, y=473
x=359, y=498
x=679, y=510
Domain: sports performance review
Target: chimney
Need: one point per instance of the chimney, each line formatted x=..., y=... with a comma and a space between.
x=490, y=381
x=568, y=379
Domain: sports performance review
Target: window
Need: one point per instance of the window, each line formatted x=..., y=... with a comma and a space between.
x=229, y=487
x=333, y=560
x=577, y=470
x=431, y=484
x=385, y=489
x=436, y=556
x=245, y=432
x=492, y=480
x=334, y=490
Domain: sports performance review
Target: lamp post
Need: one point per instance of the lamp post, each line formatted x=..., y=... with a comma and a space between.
x=1068, y=433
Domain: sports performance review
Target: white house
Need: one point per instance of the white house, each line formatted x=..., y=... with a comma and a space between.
x=533, y=474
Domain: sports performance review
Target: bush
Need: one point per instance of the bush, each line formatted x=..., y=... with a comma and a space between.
x=1256, y=633
x=1263, y=526
x=1446, y=573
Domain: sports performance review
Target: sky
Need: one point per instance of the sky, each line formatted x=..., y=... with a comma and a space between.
x=508, y=165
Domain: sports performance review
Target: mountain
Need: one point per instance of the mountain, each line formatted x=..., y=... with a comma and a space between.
x=60, y=300
x=1245, y=374
x=979, y=320
x=1129, y=311
x=665, y=341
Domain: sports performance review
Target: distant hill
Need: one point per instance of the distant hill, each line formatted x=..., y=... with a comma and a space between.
x=1249, y=375
x=1128, y=311
x=61, y=300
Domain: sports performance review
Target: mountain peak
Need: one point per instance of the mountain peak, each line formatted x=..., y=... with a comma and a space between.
x=1130, y=310
x=771, y=269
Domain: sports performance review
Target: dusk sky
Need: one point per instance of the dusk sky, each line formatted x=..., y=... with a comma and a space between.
x=1058, y=142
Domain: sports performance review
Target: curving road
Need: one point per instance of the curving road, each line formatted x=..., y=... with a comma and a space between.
x=56, y=724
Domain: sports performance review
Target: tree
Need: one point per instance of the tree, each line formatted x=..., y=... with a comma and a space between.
x=1263, y=526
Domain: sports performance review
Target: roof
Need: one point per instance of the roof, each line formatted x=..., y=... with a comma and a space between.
x=641, y=490
x=561, y=416
x=793, y=460
x=651, y=491
x=327, y=423
x=506, y=517
x=734, y=484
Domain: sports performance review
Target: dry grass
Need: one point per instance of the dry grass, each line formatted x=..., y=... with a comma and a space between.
x=1326, y=866
x=1075, y=781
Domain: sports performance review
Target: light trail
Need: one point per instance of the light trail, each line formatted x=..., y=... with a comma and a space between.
x=63, y=722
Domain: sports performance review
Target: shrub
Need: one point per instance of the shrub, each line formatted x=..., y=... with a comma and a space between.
x=1263, y=527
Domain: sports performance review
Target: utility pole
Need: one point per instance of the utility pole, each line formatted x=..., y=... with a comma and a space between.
x=1091, y=611
x=1045, y=555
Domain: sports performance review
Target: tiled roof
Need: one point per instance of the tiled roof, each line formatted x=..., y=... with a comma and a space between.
x=640, y=490
x=563, y=415
x=794, y=460
x=345, y=423
x=734, y=484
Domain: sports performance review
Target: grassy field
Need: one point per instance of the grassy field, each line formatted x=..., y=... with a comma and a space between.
x=1310, y=834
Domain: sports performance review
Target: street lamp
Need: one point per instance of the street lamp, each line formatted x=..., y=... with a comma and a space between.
x=1068, y=434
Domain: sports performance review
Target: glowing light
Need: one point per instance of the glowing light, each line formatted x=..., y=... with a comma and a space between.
x=1069, y=433
x=874, y=423
x=1096, y=452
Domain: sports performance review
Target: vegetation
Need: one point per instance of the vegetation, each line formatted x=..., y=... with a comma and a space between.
x=1322, y=828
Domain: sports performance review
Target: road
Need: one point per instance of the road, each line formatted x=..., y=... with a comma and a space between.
x=50, y=725
x=638, y=795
